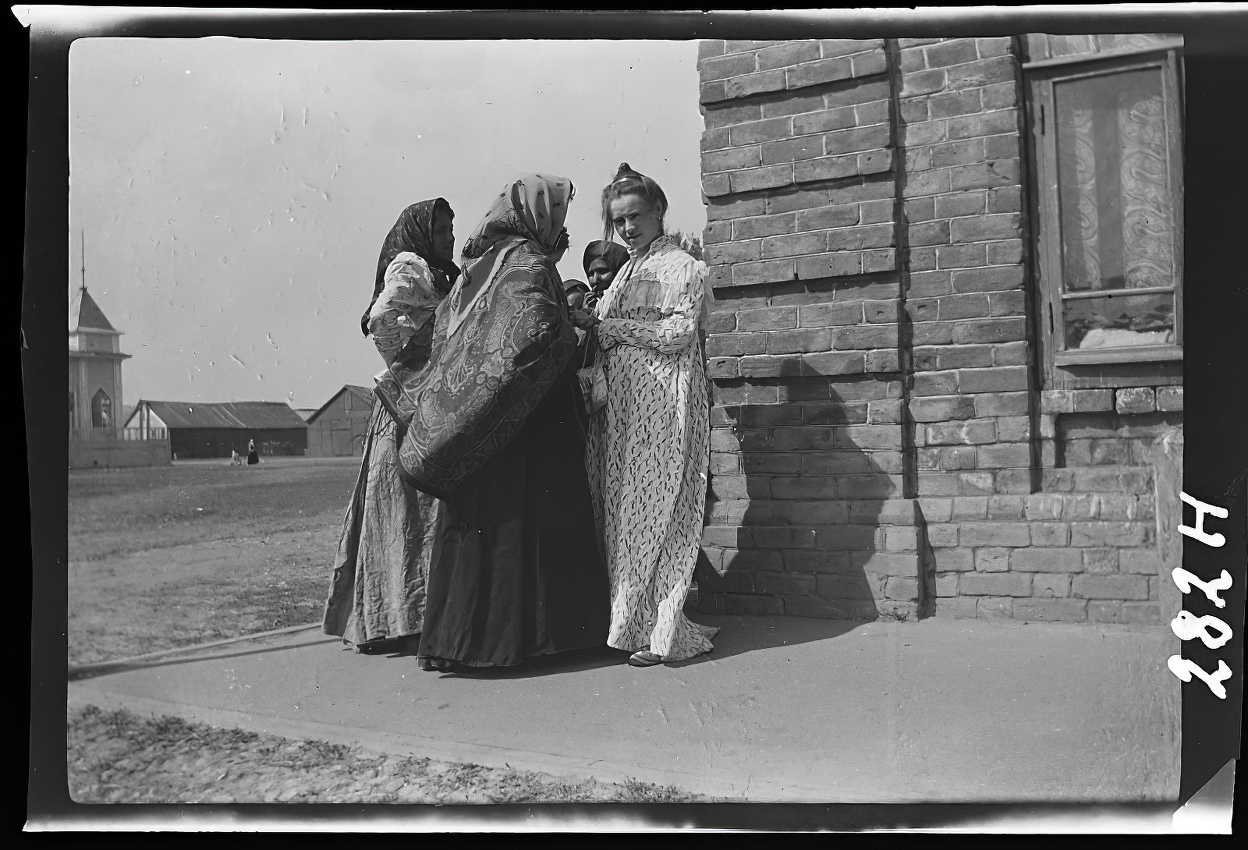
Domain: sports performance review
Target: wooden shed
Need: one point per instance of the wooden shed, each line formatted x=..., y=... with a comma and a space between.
x=338, y=426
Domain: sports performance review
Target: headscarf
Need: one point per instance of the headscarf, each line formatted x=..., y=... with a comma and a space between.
x=615, y=254
x=531, y=209
x=413, y=232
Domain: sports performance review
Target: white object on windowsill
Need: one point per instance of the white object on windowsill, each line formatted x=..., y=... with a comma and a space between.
x=1123, y=338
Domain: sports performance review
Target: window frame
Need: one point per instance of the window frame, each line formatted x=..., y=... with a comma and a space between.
x=104, y=407
x=1039, y=80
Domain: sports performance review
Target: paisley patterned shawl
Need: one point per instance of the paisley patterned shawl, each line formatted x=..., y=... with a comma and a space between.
x=413, y=232
x=500, y=341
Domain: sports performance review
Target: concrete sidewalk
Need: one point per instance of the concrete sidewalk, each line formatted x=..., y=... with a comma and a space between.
x=785, y=709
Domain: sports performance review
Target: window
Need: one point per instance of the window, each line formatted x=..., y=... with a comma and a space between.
x=1107, y=134
x=101, y=410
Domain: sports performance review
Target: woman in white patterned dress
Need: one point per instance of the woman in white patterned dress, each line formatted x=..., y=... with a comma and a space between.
x=648, y=448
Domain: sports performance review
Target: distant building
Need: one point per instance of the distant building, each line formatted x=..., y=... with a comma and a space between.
x=95, y=359
x=338, y=427
x=305, y=413
x=197, y=430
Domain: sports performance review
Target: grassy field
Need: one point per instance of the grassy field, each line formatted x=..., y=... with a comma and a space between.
x=172, y=556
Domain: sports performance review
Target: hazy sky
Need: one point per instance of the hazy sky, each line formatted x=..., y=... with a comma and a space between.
x=233, y=194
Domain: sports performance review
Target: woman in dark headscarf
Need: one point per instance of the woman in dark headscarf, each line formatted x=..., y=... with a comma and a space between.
x=518, y=573
x=377, y=595
x=602, y=262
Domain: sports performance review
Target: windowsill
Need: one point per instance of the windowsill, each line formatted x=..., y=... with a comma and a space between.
x=1095, y=356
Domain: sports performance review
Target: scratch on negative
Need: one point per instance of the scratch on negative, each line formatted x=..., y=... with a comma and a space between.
x=1235, y=485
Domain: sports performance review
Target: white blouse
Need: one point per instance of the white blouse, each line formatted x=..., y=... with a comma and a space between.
x=407, y=302
x=657, y=300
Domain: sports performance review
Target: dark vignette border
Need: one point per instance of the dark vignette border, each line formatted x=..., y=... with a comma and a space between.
x=1216, y=454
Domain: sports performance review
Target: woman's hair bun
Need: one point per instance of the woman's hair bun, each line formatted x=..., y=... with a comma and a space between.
x=625, y=172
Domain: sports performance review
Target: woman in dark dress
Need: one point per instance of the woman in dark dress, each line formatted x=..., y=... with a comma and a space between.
x=252, y=457
x=518, y=573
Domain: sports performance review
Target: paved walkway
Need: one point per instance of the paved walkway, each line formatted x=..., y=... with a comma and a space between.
x=785, y=709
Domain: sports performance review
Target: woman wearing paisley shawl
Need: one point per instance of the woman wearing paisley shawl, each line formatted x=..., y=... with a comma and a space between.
x=377, y=594
x=648, y=448
x=518, y=573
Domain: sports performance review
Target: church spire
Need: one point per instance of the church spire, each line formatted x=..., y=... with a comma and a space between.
x=85, y=313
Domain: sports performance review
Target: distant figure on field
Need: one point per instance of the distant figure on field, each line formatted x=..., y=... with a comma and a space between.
x=252, y=457
x=235, y=458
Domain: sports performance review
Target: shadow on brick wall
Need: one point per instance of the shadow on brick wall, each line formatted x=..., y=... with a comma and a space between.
x=804, y=515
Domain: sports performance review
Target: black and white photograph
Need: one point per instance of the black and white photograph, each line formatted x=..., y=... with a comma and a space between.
x=460, y=417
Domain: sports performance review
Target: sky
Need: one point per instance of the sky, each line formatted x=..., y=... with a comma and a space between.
x=232, y=195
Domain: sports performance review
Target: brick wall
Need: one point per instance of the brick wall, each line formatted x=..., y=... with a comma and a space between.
x=809, y=511
x=882, y=442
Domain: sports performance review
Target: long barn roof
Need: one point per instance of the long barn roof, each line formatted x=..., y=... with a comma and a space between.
x=233, y=414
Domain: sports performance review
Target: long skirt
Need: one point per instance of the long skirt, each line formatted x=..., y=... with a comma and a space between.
x=648, y=454
x=381, y=570
x=519, y=573
x=252, y=458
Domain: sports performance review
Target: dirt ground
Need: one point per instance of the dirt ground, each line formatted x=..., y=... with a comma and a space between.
x=119, y=757
x=172, y=556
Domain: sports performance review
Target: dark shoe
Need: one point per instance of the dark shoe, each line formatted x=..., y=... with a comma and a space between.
x=440, y=665
x=382, y=646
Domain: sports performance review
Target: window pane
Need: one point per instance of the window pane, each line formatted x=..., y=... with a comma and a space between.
x=1119, y=321
x=1115, y=193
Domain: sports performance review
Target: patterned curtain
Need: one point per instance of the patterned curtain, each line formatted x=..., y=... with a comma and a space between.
x=1085, y=213
x=1117, y=209
x=1148, y=220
